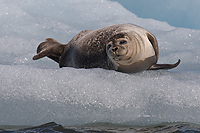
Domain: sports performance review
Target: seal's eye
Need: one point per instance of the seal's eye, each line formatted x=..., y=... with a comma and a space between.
x=122, y=42
x=109, y=45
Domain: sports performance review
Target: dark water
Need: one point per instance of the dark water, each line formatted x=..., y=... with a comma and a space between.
x=53, y=127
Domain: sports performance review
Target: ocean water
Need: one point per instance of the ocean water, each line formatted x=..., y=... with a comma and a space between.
x=33, y=93
x=178, y=13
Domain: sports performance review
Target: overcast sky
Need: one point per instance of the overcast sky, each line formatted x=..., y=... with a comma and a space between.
x=178, y=13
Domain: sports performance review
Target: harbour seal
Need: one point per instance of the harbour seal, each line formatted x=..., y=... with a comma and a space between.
x=126, y=48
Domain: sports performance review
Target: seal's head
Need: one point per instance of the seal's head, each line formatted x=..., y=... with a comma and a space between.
x=120, y=49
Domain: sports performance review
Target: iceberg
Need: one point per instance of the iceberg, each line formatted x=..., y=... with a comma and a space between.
x=36, y=92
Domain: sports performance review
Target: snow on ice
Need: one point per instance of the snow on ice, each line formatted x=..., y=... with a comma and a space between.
x=35, y=92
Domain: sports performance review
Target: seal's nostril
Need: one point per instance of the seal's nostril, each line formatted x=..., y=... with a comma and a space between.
x=115, y=49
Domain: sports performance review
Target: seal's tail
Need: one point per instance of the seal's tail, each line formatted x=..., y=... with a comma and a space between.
x=50, y=48
x=164, y=66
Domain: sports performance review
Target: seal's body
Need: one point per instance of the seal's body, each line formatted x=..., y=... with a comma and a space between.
x=123, y=47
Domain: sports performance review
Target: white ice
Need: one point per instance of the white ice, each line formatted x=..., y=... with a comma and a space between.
x=35, y=92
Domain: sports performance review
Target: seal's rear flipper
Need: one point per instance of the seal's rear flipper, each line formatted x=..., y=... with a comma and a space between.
x=164, y=66
x=50, y=48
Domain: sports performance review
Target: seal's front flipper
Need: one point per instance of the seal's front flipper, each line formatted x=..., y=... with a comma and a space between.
x=164, y=66
x=50, y=48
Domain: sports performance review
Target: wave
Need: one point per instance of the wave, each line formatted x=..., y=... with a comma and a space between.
x=107, y=128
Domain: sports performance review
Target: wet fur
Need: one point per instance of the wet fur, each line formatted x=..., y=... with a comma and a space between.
x=88, y=50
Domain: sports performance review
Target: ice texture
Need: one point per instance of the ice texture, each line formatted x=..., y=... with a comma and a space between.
x=36, y=92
